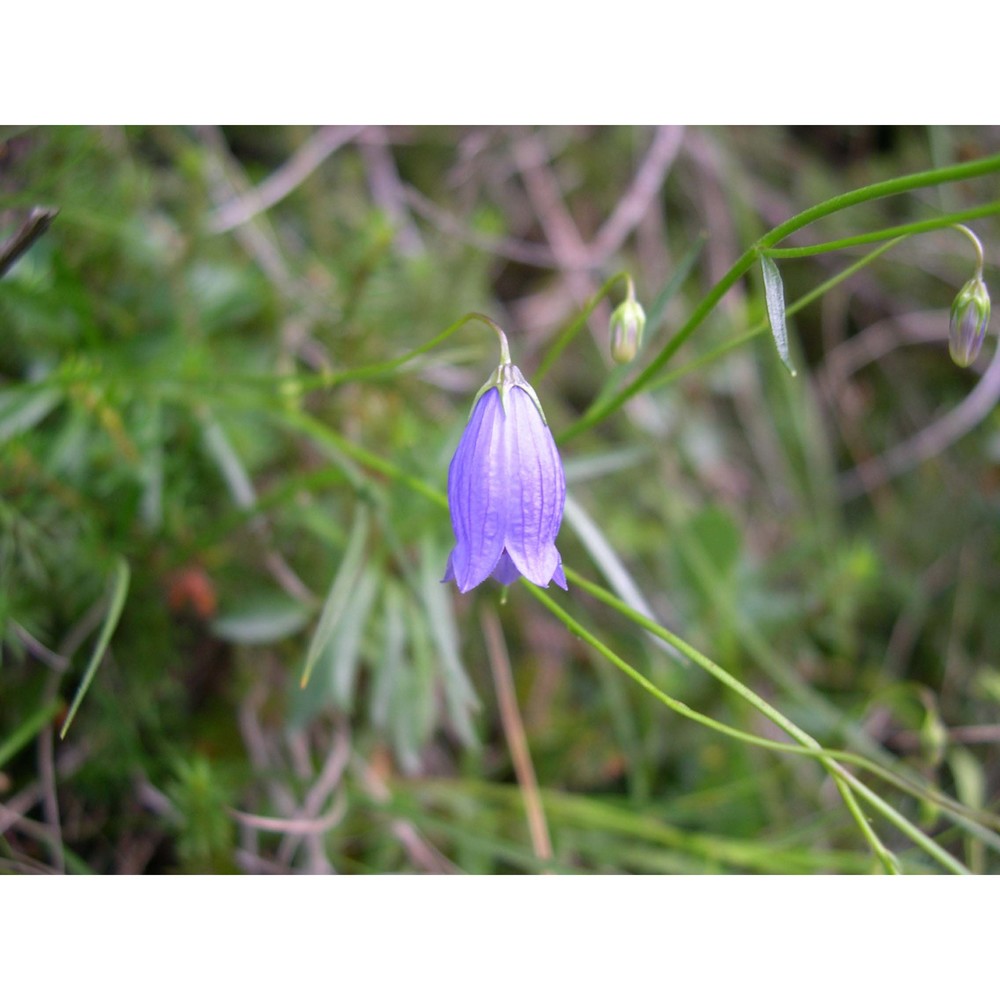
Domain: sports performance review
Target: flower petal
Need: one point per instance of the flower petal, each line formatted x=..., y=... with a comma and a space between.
x=536, y=492
x=476, y=487
x=505, y=571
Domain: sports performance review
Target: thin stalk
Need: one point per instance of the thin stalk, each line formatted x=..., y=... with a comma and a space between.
x=968, y=819
x=764, y=326
x=884, y=855
x=517, y=739
x=910, y=229
x=843, y=778
x=871, y=192
x=566, y=337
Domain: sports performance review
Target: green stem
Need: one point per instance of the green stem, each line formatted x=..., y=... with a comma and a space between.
x=755, y=331
x=870, y=192
x=501, y=336
x=966, y=231
x=910, y=229
x=846, y=782
x=810, y=748
x=884, y=855
x=566, y=337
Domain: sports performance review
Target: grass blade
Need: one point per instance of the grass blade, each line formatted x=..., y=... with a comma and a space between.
x=340, y=592
x=119, y=591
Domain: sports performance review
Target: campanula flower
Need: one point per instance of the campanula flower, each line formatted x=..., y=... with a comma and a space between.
x=506, y=488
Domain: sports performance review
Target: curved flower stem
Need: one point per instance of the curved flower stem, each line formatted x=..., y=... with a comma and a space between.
x=504, y=346
x=836, y=772
x=975, y=242
x=871, y=192
x=386, y=367
x=840, y=775
x=967, y=818
x=566, y=337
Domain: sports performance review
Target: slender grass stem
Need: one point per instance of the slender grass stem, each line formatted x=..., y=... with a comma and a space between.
x=895, y=232
x=899, y=185
x=844, y=780
x=568, y=335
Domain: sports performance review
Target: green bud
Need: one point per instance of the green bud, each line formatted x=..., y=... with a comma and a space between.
x=628, y=322
x=970, y=316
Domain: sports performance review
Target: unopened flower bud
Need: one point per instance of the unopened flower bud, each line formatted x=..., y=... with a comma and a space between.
x=627, y=324
x=970, y=316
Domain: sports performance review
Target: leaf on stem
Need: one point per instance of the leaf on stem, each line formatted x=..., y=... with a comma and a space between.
x=774, y=295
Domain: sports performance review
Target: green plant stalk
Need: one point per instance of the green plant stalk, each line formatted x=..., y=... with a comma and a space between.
x=884, y=855
x=382, y=466
x=969, y=819
x=895, y=232
x=119, y=591
x=762, y=327
x=587, y=813
x=870, y=192
x=603, y=814
x=725, y=678
x=563, y=341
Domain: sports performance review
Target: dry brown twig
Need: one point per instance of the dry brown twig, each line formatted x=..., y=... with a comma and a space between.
x=517, y=741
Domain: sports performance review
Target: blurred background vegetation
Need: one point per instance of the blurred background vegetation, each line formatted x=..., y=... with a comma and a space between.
x=177, y=433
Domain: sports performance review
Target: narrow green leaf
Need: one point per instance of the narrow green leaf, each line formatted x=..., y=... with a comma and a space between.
x=459, y=694
x=393, y=655
x=345, y=646
x=262, y=621
x=683, y=268
x=774, y=295
x=119, y=591
x=340, y=592
x=414, y=698
x=230, y=465
x=607, y=560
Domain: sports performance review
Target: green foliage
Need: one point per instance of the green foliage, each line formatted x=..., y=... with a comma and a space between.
x=223, y=449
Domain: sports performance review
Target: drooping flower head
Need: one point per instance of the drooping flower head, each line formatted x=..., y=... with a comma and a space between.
x=970, y=316
x=506, y=488
x=970, y=312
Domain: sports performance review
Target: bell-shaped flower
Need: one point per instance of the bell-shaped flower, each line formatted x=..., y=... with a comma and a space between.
x=506, y=488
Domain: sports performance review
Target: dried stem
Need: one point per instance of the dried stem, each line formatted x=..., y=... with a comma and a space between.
x=513, y=727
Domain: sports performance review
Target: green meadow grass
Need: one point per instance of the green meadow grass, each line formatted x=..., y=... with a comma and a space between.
x=233, y=372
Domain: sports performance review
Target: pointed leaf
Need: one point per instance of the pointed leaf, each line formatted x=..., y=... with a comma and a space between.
x=340, y=591
x=261, y=620
x=774, y=295
x=459, y=694
x=344, y=650
x=119, y=590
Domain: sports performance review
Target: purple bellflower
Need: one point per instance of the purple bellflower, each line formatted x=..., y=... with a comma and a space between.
x=506, y=488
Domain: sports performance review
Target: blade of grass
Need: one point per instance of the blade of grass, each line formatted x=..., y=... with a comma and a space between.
x=340, y=591
x=119, y=591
